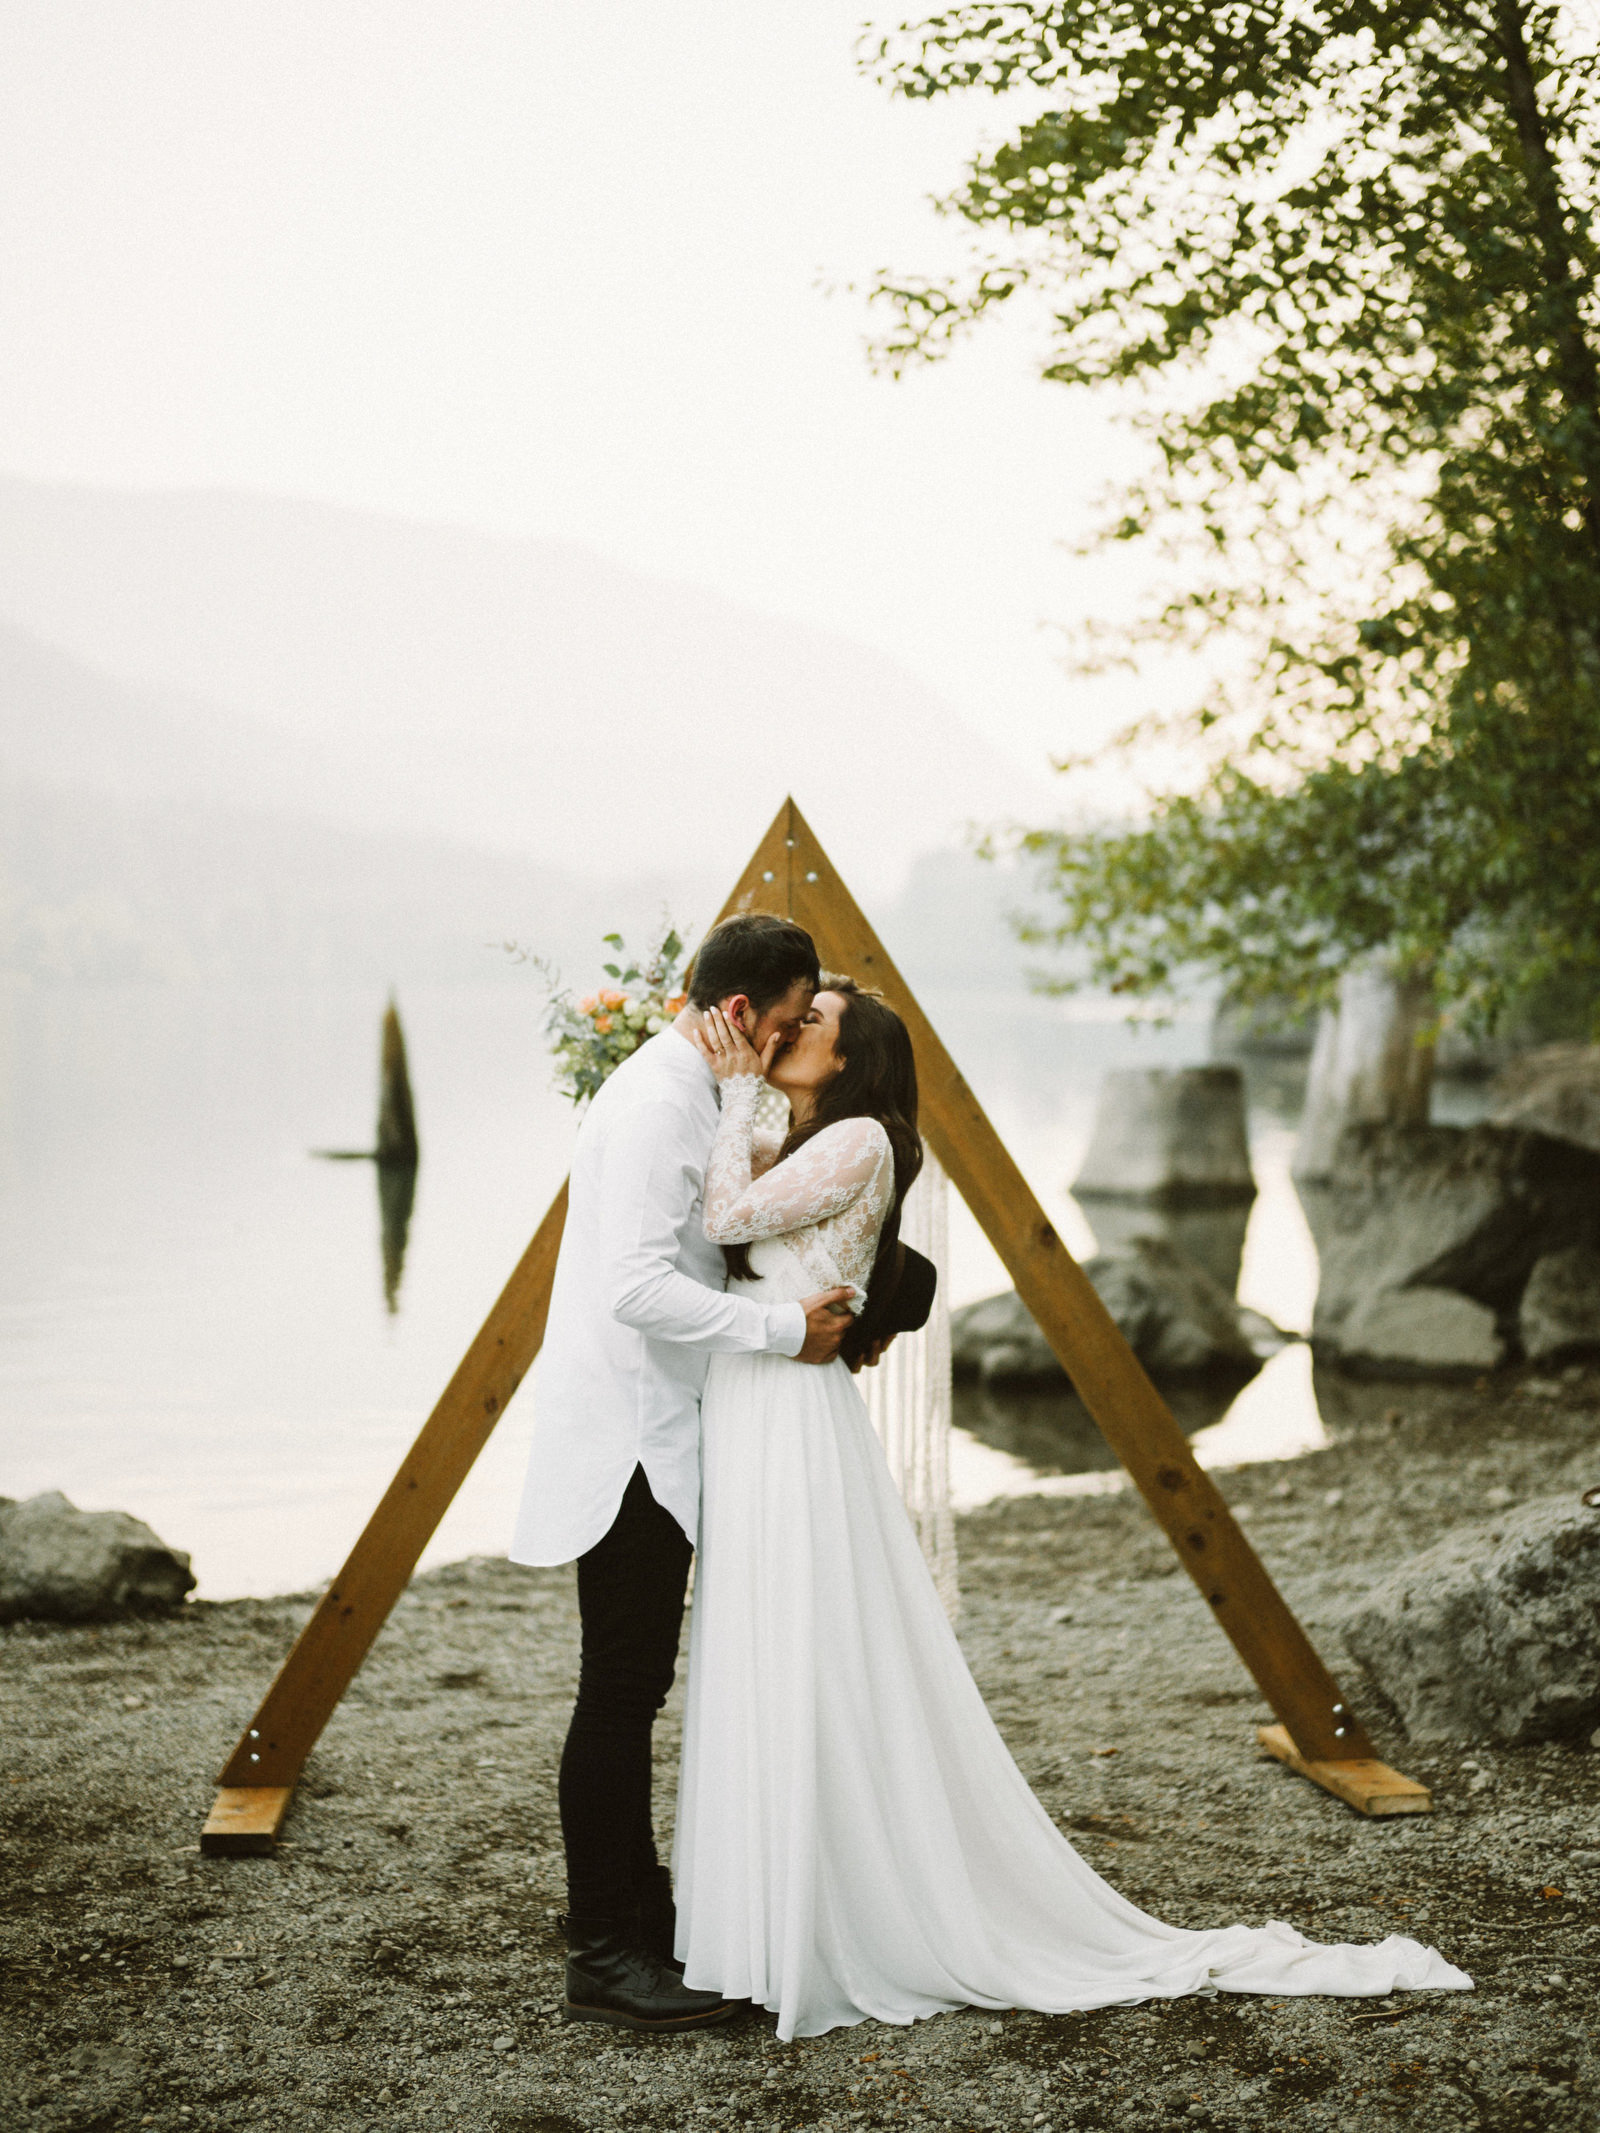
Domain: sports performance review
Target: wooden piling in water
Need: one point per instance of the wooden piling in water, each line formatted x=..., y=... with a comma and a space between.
x=397, y=1119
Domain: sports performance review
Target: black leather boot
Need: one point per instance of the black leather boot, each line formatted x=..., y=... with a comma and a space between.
x=658, y=1918
x=610, y=1978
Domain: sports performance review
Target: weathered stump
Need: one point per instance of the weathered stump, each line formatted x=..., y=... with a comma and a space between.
x=1372, y=1063
x=397, y=1118
x=1170, y=1135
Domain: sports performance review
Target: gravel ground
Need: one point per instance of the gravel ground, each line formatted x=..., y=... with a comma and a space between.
x=398, y=1964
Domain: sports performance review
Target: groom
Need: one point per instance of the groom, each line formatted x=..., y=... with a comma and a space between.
x=637, y=1309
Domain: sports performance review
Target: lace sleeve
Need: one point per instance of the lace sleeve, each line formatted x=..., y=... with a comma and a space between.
x=827, y=1175
x=763, y=1151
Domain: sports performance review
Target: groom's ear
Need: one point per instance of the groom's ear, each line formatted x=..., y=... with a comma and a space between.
x=736, y=1007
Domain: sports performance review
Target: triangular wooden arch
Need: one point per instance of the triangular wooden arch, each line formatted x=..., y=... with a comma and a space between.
x=791, y=874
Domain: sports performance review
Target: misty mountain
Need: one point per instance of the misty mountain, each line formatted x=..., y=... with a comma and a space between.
x=140, y=842
x=96, y=888
x=63, y=723
x=523, y=696
x=138, y=845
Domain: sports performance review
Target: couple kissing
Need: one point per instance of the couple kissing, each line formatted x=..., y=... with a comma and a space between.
x=853, y=1838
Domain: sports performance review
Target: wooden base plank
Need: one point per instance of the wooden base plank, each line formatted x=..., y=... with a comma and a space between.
x=1371, y=1788
x=245, y=1820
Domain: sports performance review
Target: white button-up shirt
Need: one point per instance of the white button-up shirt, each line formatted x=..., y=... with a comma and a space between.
x=637, y=1310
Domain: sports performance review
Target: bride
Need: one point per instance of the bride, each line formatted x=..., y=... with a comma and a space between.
x=853, y=1837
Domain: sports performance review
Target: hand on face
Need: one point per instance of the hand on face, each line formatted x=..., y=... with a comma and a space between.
x=728, y=1051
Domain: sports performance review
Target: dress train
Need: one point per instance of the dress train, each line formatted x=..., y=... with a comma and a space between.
x=854, y=1839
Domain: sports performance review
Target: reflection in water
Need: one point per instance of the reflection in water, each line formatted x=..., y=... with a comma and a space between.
x=1019, y=1443
x=1054, y=1433
x=397, y=1189
x=1014, y=1442
x=395, y=1155
x=1050, y=1432
x=1275, y=1417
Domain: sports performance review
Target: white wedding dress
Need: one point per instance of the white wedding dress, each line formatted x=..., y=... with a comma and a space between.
x=853, y=1837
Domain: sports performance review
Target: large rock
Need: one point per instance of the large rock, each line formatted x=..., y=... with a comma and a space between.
x=1169, y=1133
x=1421, y=1332
x=1560, y=1314
x=60, y=1564
x=1178, y=1321
x=1555, y=1090
x=1443, y=1207
x=1494, y=1634
x=998, y=1342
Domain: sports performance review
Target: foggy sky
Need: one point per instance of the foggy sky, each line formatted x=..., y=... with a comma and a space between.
x=547, y=270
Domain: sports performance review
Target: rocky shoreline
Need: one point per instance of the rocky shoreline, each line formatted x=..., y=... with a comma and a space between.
x=397, y=1965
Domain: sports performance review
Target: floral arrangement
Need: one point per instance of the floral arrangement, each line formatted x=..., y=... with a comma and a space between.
x=591, y=1037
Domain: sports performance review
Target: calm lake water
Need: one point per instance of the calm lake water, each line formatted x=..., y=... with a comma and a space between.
x=194, y=1323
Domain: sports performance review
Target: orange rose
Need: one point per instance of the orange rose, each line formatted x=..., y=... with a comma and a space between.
x=602, y=1023
x=677, y=1004
x=613, y=999
x=586, y=1006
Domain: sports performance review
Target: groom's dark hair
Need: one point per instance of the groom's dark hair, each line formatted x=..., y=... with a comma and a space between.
x=756, y=954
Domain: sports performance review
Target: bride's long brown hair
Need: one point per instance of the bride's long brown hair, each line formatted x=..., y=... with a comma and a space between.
x=877, y=1078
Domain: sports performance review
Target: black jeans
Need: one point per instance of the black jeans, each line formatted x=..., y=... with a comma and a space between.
x=631, y=1588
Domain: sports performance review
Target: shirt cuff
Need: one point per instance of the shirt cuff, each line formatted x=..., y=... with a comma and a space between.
x=786, y=1325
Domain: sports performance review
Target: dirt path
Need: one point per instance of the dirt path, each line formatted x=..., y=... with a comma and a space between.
x=398, y=1965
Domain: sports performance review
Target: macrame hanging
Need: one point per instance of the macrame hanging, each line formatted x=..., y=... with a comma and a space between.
x=908, y=1394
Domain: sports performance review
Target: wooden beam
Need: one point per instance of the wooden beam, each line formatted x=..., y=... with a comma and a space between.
x=1112, y=1384
x=273, y=1747
x=767, y=882
x=1370, y=1787
x=789, y=873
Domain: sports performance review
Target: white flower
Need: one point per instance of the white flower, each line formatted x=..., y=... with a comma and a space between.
x=656, y=1024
